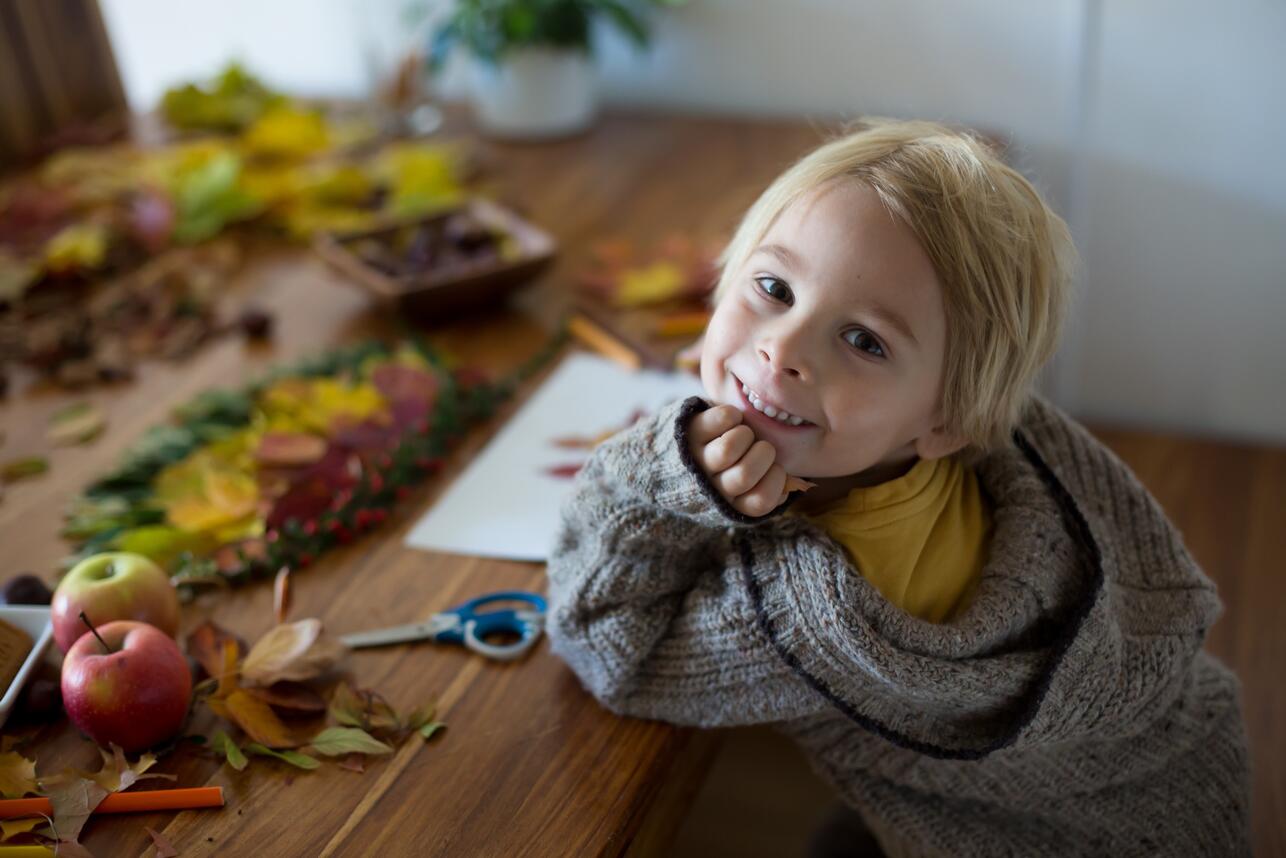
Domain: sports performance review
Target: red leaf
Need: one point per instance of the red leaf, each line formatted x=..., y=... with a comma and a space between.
x=564, y=472
x=398, y=382
x=164, y=849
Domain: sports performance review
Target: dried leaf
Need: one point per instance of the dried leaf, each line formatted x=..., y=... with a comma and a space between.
x=295, y=758
x=21, y=469
x=118, y=774
x=255, y=717
x=364, y=708
x=296, y=651
x=428, y=730
x=205, y=644
x=419, y=717
x=74, y=800
x=72, y=849
x=337, y=741
x=294, y=698
x=353, y=763
x=281, y=594
x=17, y=775
x=76, y=424
x=222, y=744
x=164, y=849
x=14, y=827
x=228, y=672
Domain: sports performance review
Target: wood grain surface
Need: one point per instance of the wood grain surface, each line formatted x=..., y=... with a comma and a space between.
x=529, y=764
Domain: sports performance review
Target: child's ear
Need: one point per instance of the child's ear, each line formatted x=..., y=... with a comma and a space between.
x=938, y=442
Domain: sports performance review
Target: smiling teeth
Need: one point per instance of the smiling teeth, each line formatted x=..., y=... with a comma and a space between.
x=779, y=416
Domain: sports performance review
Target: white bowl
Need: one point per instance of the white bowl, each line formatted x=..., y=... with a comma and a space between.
x=34, y=620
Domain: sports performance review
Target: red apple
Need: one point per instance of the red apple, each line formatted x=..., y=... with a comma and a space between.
x=117, y=585
x=129, y=685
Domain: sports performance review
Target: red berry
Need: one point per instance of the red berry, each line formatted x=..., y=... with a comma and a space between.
x=310, y=527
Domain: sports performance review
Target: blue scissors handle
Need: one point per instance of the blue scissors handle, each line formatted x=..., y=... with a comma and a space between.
x=469, y=627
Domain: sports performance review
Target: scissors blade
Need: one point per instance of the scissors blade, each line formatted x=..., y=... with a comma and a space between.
x=395, y=634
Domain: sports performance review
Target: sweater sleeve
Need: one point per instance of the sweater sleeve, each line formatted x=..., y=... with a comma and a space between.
x=649, y=603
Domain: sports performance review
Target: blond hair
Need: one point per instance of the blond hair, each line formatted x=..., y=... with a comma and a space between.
x=1005, y=260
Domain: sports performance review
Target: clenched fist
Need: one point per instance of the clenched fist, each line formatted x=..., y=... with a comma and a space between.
x=744, y=469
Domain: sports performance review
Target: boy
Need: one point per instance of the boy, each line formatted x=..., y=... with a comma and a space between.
x=976, y=622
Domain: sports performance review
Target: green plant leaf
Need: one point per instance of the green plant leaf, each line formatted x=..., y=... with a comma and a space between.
x=428, y=730
x=222, y=744
x=337, y=741
x=295, y=758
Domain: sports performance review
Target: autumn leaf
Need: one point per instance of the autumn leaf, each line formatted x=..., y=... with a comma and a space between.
x=798, y=484
x=255, y=717
x=13, y=827
x=228, y=672
x=428, y=730
x=295, y=758
x=293, y=697
x=281, y=594
x=74, y=799
x=21, y=469
x=164, y=848
x=222, y=744
x=297, y=651
x=76, y=424
x=353, y=763
x=365, y=709
x=205, y=644
x=118, y=774
x=650, y=284
x=337, y=741
x=289, y=449
x=17, y=775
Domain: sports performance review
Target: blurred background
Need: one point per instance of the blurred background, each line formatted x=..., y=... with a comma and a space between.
x=1155, y=128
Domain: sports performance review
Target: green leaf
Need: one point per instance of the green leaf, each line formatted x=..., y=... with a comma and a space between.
x=428, y=730
x=21, y=469
x=295, y=758
x=222, y=744
x=337, y=741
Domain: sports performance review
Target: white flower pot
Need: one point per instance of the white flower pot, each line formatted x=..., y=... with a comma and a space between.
x=534, y=93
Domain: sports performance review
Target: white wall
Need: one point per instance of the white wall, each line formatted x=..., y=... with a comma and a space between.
x=1172, y=177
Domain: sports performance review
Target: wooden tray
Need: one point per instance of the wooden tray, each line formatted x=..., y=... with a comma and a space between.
x=448, y=293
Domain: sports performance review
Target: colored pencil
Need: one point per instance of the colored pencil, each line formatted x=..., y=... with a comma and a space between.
x=190, y=798
x=603, y=341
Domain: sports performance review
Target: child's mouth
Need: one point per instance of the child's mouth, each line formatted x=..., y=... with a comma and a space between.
x=765, y=413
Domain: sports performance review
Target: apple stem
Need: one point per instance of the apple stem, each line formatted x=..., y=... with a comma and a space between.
x=84, y=619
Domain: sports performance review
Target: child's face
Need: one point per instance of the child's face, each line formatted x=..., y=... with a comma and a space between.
x=811, y=328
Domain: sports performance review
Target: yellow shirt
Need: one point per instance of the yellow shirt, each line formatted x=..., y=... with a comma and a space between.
x=920, y=539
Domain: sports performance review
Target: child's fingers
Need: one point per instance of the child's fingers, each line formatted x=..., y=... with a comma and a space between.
x=712, y=423
x=743, y=476
x=766, y=495
x=726, y=450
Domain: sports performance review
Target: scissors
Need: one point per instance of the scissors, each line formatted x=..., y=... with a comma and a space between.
x=464, y=624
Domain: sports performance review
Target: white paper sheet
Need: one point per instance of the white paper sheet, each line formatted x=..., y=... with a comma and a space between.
x=505, y=504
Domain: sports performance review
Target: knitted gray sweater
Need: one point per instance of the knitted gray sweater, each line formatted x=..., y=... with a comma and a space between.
x=1068, y=710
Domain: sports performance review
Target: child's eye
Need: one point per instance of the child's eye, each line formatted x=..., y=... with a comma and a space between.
x=775, y=289
x=863, y=341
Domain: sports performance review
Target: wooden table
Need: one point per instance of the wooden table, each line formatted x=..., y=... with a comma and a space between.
x=530, y=764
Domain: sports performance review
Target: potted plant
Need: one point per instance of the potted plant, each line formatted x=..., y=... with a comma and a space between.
x=532, y=73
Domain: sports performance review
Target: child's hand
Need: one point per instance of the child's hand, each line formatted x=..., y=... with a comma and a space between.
x=744, y=470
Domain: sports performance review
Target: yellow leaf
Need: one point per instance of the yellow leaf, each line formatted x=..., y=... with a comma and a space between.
x=420, y=178
x=14, y=827
x=228, y=675
x=650, y=284
x=80, y=245
x=257, y=719
x=17, y=775
x=286, y=132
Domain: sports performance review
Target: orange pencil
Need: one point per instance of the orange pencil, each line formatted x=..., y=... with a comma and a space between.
x=190, y=798
x=603, y=341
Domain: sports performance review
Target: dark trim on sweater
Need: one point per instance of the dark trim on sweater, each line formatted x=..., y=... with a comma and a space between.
x=1071, y=628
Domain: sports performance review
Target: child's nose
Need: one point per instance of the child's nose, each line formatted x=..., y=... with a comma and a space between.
x=784, y=358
